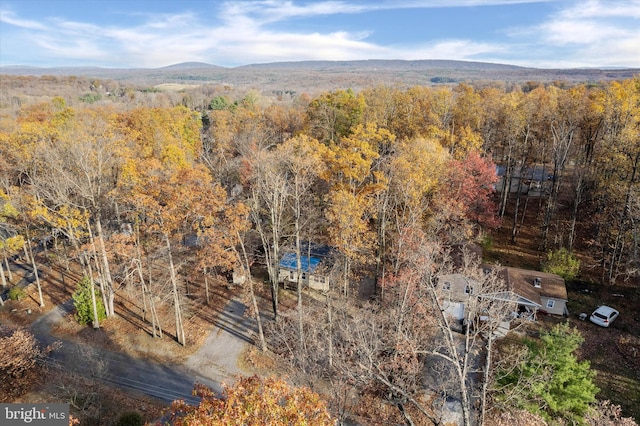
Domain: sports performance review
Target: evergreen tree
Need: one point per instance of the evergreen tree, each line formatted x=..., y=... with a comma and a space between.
x=551, y=381
x=84, y=305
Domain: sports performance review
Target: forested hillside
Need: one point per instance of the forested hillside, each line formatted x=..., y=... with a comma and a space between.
x=156, y=191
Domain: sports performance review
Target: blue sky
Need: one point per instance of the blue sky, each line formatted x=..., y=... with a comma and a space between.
x=157, y=33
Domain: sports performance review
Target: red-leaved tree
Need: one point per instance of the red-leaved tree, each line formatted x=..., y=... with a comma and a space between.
x=466, y=196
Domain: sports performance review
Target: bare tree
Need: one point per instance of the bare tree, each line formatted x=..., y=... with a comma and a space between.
x=269, y=193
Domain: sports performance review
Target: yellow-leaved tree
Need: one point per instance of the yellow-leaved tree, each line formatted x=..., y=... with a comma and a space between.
x=354, y=180
x=10, y=241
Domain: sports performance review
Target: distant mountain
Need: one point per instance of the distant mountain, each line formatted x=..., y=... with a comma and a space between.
x=316, y=76
x=386, y=64
x=189, y=65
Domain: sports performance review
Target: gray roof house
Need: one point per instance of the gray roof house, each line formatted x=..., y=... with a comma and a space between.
x=529, y=291
x=539, y=290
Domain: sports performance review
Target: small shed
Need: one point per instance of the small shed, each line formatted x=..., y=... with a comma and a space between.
x=316, y=266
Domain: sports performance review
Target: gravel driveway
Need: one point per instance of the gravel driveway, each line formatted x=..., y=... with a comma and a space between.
x=217, y=359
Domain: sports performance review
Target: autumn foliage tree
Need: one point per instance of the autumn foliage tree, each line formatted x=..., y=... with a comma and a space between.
x=466, y=198
x=354, y=182
x=18, y=362
x=253, y=401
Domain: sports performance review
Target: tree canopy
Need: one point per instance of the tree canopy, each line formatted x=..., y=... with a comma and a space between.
x=253, y=401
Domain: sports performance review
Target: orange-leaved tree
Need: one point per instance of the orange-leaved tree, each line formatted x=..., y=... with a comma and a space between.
x=253, y=401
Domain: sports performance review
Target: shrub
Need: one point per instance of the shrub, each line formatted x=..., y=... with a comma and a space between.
x=219, y=103
x=16, y=293
x=562, y=262
x=131, y=418
x=84, y=305
x=486, y=242
x=90, y=98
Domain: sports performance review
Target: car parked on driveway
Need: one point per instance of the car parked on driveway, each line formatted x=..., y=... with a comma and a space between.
x=603, y=316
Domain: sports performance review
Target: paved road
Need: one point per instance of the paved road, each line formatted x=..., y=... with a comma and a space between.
x=215, y=362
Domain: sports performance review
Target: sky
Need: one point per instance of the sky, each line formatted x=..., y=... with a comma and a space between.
x=158, y=33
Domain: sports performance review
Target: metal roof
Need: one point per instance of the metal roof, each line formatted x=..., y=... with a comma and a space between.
x=308, y=264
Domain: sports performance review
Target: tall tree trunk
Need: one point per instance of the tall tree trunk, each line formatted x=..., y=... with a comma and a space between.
x=206, y=284
x=176, y=297
x=146, y=294
x=94, y=303
x=298, y=214
x=548, y=213
x=4, y=284
x=150, y=280
x=562, y=141
x=105, y=264
x=330, y=331
x=485, y=384
x=81, y=258
x=270, y=262
x=381, y=250
x=574, y=213
x=508, y=176
x=143, y=293
x=35, y=271
x=459, y=361
x=4, y=280
x=514, y=227
x=26, y=251
x=99, y=269
x=275, y=287
x=252, y=294
x=345, y=277
x=463, y=371
x=6, y=262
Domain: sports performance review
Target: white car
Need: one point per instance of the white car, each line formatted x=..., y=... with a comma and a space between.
x=603, y=316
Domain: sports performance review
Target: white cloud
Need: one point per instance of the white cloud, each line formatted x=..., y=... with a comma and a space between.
x=600, y=9
x=450, y=49
x=597, y=33
x=582, y=34
x=10, y=18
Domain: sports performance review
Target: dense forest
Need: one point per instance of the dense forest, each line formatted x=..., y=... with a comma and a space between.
x=155, y=191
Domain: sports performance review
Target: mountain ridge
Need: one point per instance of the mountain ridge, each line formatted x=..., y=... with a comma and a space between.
x=426, y=63
x=314, y=76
